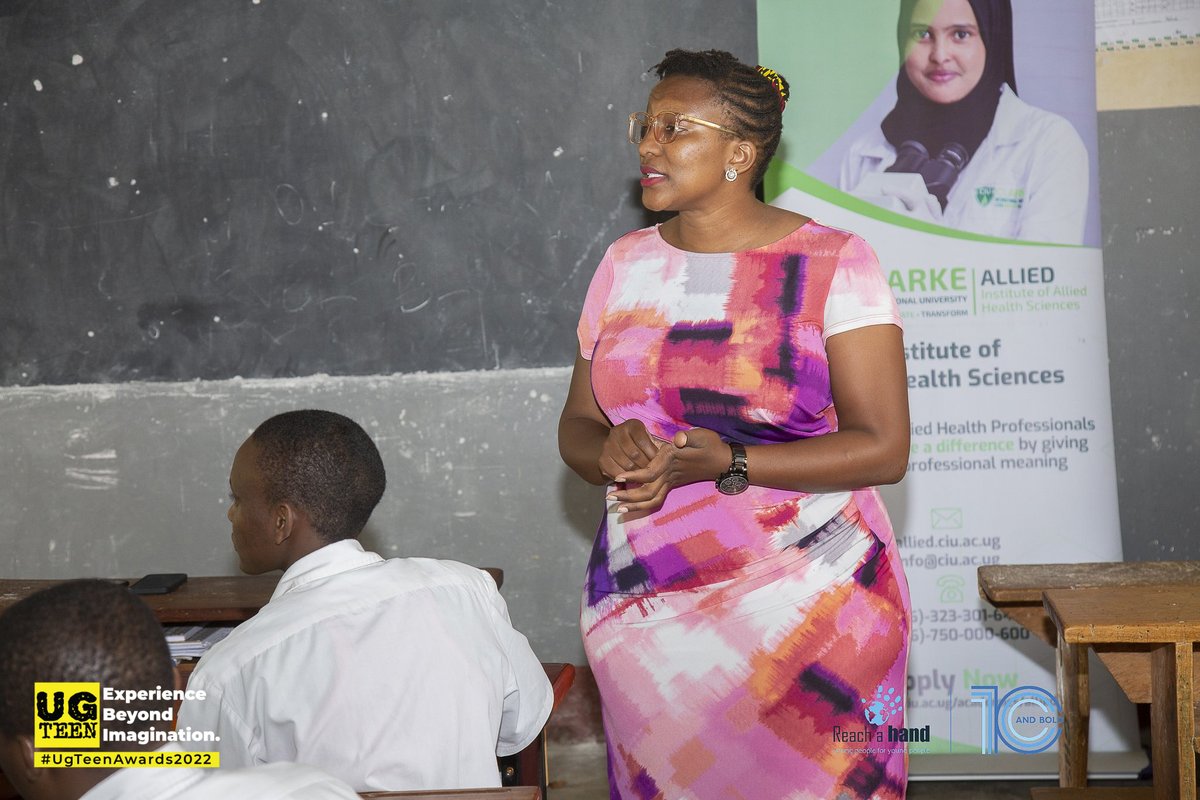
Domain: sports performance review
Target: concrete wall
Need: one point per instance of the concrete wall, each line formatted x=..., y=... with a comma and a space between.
x=121, y=480
x=1149, y=174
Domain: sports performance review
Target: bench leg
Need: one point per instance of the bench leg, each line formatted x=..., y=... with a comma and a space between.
x=1074, y=694
x=1172, y=722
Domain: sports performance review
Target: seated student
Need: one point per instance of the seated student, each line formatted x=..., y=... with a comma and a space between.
x=392, y=675
x=94, y=631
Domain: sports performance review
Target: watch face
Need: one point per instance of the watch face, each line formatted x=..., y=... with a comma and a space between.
x=733, y=484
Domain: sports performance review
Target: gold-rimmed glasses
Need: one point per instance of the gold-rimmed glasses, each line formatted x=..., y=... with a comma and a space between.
x=665, y=125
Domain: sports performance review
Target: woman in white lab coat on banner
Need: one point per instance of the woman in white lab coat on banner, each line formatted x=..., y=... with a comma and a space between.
x=960, y=148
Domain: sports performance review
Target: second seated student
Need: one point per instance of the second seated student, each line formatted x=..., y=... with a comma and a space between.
x=93, y=631
x=390, y=674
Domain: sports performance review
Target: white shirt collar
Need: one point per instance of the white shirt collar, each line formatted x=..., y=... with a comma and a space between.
x=332, y=559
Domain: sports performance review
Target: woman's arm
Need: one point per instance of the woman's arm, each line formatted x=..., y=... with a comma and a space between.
x=589, y=443
x=871, y=446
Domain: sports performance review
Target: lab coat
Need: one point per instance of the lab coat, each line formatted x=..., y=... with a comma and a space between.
x=1028, y=179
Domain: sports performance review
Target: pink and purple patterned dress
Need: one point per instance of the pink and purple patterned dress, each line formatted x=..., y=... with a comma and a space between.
x=744, y=645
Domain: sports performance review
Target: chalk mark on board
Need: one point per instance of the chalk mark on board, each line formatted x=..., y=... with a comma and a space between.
x=109, y=221
x=595, y=240
x=286, y=194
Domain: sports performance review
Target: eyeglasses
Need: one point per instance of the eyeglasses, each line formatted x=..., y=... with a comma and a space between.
x=665, y=125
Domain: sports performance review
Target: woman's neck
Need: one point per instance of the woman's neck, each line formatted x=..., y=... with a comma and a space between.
x=731, y=227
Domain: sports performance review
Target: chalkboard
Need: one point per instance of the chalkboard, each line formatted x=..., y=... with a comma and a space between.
x=212, y=188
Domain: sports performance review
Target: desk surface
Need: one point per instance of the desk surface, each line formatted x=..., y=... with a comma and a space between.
x=228, y=598
x=1024, y=583
x=223, y=599
x=1126, y=614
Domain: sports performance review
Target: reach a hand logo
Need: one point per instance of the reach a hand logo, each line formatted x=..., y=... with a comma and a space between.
x=1028, y=719
x=66, y=715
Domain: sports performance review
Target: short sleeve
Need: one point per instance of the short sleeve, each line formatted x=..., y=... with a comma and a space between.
x=859, y=294
x=528, y=695
x=593, y=306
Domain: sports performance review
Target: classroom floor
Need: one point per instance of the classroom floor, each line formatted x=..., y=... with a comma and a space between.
x=577, y=772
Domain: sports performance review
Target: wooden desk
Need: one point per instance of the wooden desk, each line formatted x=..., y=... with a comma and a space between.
x=1017, y=590
x=1165, y=621
x=233, y=598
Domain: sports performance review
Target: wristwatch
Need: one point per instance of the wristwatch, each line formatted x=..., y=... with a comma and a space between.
x=734, y=480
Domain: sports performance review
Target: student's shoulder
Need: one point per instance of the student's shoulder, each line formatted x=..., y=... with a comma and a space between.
x=440, y=571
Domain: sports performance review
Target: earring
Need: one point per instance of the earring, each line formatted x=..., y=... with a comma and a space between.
x=731, y=174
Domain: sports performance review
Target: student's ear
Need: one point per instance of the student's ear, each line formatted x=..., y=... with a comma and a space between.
x=17, y=756
x=283, y=521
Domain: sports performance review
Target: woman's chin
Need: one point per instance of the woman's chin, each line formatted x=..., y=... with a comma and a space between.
x=653, y=201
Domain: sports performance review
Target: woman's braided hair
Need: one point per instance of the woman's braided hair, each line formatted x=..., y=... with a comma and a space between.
x=753, y=97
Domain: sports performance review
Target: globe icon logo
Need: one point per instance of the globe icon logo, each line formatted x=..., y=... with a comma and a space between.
x=880, y=707
x=875, y=713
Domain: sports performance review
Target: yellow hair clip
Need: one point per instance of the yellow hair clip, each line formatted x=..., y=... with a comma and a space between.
x=777, y=81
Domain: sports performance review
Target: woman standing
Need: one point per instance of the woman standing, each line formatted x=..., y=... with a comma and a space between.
x=995, y=164
x=740, y=385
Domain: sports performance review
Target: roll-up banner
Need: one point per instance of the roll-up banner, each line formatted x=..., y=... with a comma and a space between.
x=959, y=138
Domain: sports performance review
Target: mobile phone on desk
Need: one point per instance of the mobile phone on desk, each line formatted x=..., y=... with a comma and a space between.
x=158, y=583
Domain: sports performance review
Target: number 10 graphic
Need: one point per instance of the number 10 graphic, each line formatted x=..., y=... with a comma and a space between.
x=1028, y=719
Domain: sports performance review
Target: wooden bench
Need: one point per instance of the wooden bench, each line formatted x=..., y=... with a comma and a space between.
x=1161, y=622
x=1018, y=589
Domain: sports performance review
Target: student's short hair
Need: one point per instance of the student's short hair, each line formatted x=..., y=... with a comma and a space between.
x=81, y=631
x=326, y=465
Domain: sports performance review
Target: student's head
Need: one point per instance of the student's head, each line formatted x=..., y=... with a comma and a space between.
x=83, y=631
x=948, y=46
x=302, y=480
x=746, y=107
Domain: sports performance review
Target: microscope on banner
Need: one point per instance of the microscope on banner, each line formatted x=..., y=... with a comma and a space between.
x=916, y=181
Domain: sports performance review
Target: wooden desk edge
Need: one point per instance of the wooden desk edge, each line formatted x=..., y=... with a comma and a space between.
x=998, y=587
x=1102, y=631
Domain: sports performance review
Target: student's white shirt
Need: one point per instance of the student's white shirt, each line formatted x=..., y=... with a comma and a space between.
x=391, y=675
x=1028, y=180
x=268, y=782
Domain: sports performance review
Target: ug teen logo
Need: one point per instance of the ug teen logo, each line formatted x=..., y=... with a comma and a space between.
x=66, y=714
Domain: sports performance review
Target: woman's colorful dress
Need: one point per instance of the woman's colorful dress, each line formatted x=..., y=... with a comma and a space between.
x=747, y=646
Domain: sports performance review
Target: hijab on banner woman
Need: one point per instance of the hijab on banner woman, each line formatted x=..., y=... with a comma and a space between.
x=960, y=148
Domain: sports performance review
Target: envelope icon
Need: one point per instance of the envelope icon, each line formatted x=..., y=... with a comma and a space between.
x=943, y=519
